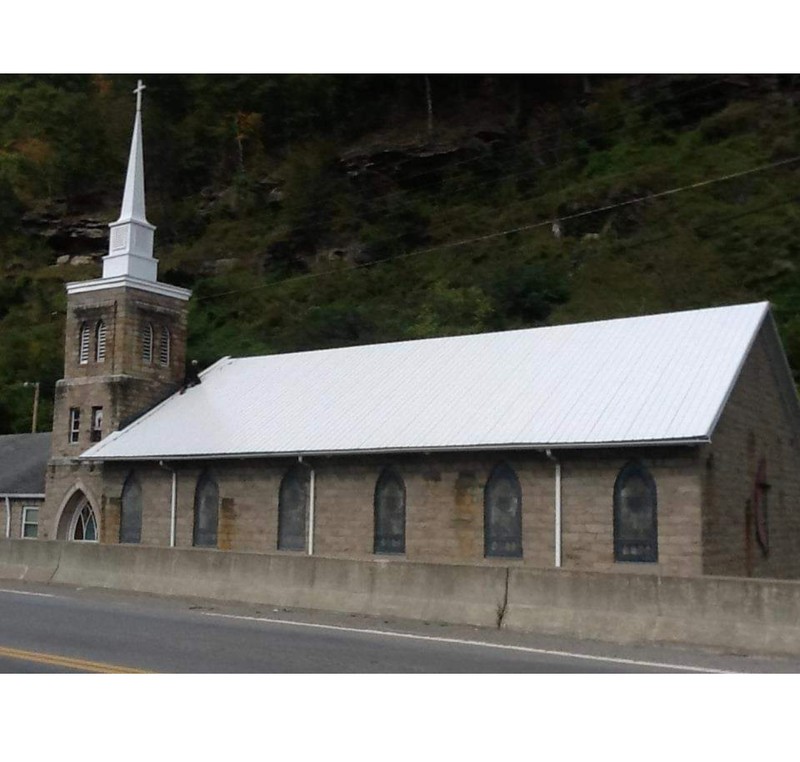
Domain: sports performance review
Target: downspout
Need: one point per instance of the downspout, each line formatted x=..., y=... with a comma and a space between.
x=173, y=509
x=311, y=501
x=557, y=538
x=8, y=517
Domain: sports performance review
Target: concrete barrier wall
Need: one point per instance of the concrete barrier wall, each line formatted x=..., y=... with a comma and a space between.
x=753, y=615
x=28, y=560
x=458, y=594
x=761, y=616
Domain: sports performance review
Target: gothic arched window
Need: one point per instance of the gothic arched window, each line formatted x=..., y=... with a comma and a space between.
x=390, y=513
x=206, y=512
x=147, y=343
x=100, y=342
x=635, y=515
x=293, y=508
x=163, y=347
x=502, y=514
x=83, y=348
x=130, y=518
x=85, y=527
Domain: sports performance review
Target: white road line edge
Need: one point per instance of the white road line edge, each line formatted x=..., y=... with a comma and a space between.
x=25, y=592
x=479, y=643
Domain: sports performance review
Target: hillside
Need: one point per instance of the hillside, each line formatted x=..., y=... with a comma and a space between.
x=319, y=210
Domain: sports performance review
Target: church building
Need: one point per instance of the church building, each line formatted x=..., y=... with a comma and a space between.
x=665, y=444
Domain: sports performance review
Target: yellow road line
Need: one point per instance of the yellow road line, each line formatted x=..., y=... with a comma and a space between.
x=82, y=665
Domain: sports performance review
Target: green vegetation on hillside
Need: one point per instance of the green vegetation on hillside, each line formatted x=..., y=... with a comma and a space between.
x=314, y=211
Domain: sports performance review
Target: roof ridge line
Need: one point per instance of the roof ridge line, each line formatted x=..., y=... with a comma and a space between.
x=457, y=336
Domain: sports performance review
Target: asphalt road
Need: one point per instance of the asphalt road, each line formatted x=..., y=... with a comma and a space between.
x=65, y=629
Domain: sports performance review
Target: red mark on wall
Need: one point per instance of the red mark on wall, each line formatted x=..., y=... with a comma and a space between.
x=760, y=491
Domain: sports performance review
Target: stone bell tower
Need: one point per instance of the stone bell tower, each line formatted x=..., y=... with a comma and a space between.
x=125, y=351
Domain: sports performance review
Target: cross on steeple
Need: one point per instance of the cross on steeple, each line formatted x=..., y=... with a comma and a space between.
x=130, y=242
x=139, y=89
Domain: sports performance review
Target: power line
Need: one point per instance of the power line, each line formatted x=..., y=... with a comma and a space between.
x=595, y=181
x=512, y=149
x=540, y=138
x=701, y=225
x=623, y=246
x=398, y=213
x=518, y=229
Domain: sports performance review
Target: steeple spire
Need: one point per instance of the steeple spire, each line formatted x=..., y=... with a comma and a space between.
x=133, y=198
x=130, y=245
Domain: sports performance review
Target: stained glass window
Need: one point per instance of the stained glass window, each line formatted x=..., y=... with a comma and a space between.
x=635, y=515
x=502, y=508
x=390, y=513
x=85, y=529
x=130, y=520
x=206, y=512
x=293, y=508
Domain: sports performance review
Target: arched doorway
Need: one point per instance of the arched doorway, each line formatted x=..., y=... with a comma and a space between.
x=78, y=520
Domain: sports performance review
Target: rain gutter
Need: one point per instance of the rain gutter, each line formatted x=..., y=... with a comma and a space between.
x=400, y=450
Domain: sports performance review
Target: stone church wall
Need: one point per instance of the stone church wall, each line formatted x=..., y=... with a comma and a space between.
x=122, y=384
x=123, y=311
x=588, y=496
x=759, y=421
x=444, y=506
x=64, y=478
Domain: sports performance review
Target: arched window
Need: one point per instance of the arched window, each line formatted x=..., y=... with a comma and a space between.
x=83, y=349
x=206, y=512
x=77, y=520
x=147, y=343
x=502, y=514
x=293, y=508
x=84, y=528
x=390, y=513
x=130, y=519
x=163, y=347
x=635, y=515
x=100, y=342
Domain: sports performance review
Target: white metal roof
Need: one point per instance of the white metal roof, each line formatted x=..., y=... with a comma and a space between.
x=652, y=379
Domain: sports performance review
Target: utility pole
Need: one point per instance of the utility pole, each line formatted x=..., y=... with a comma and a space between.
x=429, y=101
x=35, y=385
x=239, y=136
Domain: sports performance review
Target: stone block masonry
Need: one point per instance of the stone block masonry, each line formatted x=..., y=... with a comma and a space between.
x=444, y=506
x=122, y=383
x=759, y=425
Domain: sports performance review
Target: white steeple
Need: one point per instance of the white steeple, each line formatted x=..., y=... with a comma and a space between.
x=130, y=245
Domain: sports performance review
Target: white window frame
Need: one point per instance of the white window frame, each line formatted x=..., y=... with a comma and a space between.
x=95, y=431
x=74, y=425
x=25, y=522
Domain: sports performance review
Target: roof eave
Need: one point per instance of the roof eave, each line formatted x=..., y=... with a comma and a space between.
x=536, y=447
